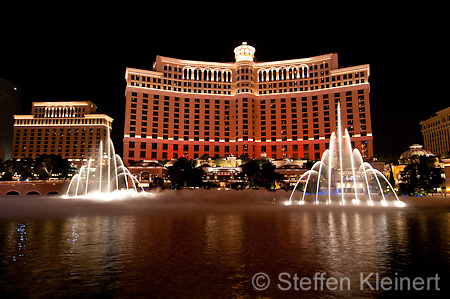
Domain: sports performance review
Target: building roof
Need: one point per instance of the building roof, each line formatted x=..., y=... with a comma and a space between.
x=415, y=150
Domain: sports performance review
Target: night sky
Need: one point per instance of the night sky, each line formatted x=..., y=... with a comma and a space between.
x=82, y=55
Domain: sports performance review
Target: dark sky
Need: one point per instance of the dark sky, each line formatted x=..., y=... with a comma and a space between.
x=82, y=55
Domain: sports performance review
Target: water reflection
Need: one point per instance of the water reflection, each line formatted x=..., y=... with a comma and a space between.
x=17, y=238
x=215, y=254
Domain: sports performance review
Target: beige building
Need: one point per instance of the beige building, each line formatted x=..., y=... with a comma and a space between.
x=72, y=130
x=436, y=132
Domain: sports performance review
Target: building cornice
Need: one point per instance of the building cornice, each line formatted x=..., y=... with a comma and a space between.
x=164, y=59
x=134, y=71
x=309, y=60
x=64, y=103
x=350, y=69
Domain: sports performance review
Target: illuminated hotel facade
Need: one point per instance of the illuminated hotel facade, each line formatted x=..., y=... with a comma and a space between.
x=281, y=108
x=436, y=132
x=72, y=130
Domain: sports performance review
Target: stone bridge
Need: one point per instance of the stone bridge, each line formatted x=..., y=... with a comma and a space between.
x=36, y=187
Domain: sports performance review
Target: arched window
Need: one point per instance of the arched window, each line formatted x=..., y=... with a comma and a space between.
x=295, y=73
x=305, y=72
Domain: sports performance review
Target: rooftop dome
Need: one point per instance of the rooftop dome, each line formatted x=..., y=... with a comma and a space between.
x=415, y=150
x=244, y=52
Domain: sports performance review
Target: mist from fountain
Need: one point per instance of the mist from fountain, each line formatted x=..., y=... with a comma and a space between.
x=343, y=174
x=103, y=175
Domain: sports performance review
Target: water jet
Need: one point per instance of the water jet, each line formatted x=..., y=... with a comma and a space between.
x=342, y=175
x=103, y=174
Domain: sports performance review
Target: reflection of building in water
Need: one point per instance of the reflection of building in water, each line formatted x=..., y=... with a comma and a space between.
x=223, y=236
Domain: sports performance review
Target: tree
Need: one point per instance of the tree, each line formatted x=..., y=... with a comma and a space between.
x=391, y=176
x=41, y=168
x=309, y=164
x=244, y=158
x=195, y=177
x=47, y=165
x=22, y=168
x=251, y=169
x=420, y=176
x=184, y=174
x=260, y=174
x=268, y=176
x=7, y=170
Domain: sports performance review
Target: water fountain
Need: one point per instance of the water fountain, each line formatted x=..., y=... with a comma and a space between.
x=342, y=176
x=103, y=174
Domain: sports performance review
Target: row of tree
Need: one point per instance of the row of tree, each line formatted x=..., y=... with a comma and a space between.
x=420, y=176
x=41, y=168
x=256, y=173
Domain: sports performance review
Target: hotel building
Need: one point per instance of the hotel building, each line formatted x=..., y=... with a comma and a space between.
x=281, y=108
x=70, y=129
x=436, y=132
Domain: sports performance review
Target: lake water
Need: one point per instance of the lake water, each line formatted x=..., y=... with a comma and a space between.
x=172, y=246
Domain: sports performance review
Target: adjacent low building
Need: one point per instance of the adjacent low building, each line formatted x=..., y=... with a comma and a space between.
x=148, y=173
x=436, y=133
x=72, y=130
